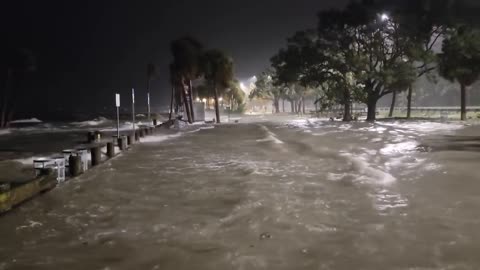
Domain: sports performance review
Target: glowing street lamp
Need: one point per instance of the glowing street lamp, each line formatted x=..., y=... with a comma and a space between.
x=384, y=17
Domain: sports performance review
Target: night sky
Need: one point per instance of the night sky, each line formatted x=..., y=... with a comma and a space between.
x=88, y=50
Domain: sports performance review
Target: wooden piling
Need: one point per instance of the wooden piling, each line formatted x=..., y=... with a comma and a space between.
x=137, y=136
x=90, y=137
x=96, y=153
x=110, y=150
x=75, y=165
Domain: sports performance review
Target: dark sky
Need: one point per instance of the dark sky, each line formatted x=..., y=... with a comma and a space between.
x=87, y=50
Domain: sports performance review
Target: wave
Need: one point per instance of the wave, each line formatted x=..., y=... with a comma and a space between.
x=27, y=121
x=270, y=136
x=95, y=122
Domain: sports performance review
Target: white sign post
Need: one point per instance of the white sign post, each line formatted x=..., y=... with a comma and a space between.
x=133, y=110
x=117, y=104
x=149, y=111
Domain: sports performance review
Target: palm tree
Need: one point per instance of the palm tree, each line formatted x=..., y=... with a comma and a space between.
x=18, y=63
x=218, y=70
x=151, y=72
x=187, y=53
x=460, y=60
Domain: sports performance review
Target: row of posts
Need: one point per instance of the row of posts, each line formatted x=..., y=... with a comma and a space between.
x=77, y=163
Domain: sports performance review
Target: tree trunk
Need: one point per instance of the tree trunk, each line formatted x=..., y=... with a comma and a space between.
x=303, y=105
x=409, y=102
x=463, y=104
x=190, y=93
x=276, y=104
x=5, y=97
x=283, y=105
x=292, y=107
x=392, y=106
x=171, y=102
x=217, y=110
x=347, y=112
x=372, y=109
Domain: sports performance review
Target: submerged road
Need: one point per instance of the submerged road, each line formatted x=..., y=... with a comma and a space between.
x=275, y=195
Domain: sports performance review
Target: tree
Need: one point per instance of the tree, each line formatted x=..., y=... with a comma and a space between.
x=218, y=70
x=460, y=59
x=265, y=89
x=424, y=22
x=292, y=67
x=378, y=53
x=15, y=66
x=187, y=53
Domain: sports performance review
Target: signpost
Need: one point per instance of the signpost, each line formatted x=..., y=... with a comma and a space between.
x=133, y=110
x=148, y=104
x=117, y=104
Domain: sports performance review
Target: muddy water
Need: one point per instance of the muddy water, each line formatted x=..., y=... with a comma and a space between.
x=274, y=195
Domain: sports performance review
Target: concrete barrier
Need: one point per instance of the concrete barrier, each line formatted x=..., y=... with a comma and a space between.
x=19, y=194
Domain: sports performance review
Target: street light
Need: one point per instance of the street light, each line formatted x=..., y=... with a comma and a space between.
x=221, y=100
x=384, y=17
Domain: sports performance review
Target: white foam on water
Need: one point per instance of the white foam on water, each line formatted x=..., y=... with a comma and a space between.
x=27, y=161
x=27, y=121
x=369, y=173
x=201, y=128
x=270, y=136
x=5, y=131
x=95, y=122
x=160, y=138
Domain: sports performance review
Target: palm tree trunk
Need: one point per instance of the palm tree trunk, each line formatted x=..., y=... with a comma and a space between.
x=392, y=106
x=283, y=105
x=409, y=102
x=217, y=109
x=186, y=104
x=171, y=102
x=463, y=104
x=190, y=93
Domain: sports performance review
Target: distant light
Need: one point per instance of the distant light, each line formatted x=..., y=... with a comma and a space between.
x=220, y=99
x=204, y=100
x=384, y=17
x=198, y=99
x=242, y=86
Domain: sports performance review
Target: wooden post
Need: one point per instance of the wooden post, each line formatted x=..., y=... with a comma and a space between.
x=142, y=133
x=130, y=139
x=90, y=137
x=75, y=165
x=96, y=155
x=154, y=122
x=137, y=136
x=110, y=150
